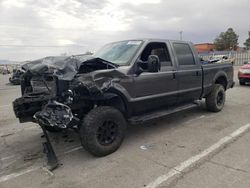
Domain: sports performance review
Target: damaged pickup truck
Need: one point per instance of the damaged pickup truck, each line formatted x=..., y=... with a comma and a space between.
x=128, y=81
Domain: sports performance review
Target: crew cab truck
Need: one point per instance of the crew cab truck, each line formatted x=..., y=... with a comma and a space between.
x=124, y=82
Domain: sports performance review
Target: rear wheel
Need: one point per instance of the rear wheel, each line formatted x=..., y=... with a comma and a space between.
x=103, y=130
x=216, y=99
x=242, y=83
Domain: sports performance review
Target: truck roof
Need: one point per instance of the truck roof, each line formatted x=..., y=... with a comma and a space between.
x=155, y=39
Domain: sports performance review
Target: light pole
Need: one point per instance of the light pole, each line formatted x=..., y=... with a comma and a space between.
x=181, y=35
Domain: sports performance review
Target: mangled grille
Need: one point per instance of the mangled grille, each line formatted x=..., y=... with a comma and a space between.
x=39, y=85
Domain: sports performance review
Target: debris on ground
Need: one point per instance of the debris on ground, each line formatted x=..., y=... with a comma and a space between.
x=30, y=157
x=47, y=171
x=180, y=146
x=6, y=135
x=146, y=146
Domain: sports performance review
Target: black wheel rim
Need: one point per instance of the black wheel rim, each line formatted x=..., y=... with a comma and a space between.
x=107, y=133
x=220, y=98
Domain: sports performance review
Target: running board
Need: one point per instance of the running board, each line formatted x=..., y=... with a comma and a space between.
x=161, y=113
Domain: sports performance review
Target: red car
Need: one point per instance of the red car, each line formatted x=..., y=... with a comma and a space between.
x=244, y=74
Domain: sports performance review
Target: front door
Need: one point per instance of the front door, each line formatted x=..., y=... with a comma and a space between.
x=155, y=90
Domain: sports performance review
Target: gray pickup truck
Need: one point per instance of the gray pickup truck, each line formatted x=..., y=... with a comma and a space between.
x=129, y=81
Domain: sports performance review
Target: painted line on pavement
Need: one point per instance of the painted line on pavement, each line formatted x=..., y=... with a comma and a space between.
x=72, y=150
x=194, y=119
x=187, y=165
x=8, y=157
x=4, y=106
x=17, y=174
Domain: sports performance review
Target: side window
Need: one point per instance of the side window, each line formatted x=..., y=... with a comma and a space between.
x=184, y=54
x=159, y=49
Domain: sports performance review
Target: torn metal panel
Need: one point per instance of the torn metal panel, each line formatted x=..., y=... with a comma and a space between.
x=43, y=84
x=48, y=149
x=39, y=81
x=66, y=67
x=16, y=76
x=98, y=82
x=54, y=114
x=25, y=107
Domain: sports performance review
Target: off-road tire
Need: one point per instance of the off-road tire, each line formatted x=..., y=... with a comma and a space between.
x=94, y=123
x=216, y=99
x=242, y=83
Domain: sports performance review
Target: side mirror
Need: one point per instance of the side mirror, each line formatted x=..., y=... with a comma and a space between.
x=154, y=64
x=151, y=65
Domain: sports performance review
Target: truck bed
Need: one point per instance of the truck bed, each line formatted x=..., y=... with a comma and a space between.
x=213, y=71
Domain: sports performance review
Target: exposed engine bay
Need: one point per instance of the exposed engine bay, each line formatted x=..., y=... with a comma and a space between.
x=55, y=88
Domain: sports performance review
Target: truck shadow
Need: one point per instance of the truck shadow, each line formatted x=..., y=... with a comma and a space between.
x=67, y=144
x=69, y=141
x=174, y=120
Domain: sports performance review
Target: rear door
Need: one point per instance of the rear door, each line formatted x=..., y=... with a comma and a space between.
x=189, y=72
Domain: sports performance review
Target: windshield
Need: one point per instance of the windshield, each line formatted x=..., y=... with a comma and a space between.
x=119, y=52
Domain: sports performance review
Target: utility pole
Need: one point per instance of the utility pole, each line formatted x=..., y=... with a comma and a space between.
x=180, y=34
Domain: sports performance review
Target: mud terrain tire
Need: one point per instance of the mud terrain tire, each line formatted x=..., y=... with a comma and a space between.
x=216, y=99
x=103, y=130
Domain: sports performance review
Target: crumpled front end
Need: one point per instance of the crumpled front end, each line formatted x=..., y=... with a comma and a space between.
x=55, y=114
x=36, y=92
x=25, y=107
x=59, y=96
x=16, y=76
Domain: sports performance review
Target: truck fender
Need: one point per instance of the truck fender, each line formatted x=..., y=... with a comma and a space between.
x=116, y=99
x=221, y=78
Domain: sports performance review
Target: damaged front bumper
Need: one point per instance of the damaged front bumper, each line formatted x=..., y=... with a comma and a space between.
x=44, y=111
x=56, y=114
x=57, y=92
x=25, y=107
x=52, y=114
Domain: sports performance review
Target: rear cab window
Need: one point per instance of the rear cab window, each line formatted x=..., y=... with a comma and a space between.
x=184, y=54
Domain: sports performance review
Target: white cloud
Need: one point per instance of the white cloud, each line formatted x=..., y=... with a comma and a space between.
x=13, y=3
x=61, y=20
x=81, y=25
x=134, y=2
x=63, y=42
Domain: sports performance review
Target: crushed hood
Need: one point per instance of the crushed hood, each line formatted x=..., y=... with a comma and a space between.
x=66, y=67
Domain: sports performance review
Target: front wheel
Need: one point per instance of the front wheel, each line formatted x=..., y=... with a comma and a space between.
x=103, y=130
x=216, y=99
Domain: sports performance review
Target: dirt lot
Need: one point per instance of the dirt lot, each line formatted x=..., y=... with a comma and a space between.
x=148, y=152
